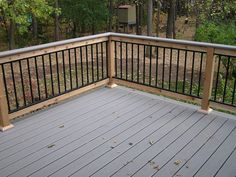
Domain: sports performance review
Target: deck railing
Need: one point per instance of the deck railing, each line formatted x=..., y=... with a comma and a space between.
x=35, y=77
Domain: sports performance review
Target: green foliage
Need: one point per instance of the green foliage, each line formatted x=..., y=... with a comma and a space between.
x=217, y=33
x=20, y=12
x=86, y=14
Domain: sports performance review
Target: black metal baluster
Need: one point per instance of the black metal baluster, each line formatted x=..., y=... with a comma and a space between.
x=192, y=74
x=14, y=86
x=116, y=59
x=163, y=69
x=102, y=60
x=76, y=68
x=82, y=70
x=170, y=69
x=226, y=78
x=126, y=57
x=71, y=82
x=132, y=60
x=150, y=67
x=200, y=76
x=37, y=77
x=177, y=73
x=6, y=89
x=185, y=63
x=87, y=66
x=233, y=94
x=106, y=59
x=217, y=78
x=92, y=62
x=30, y=81
x=138, y=66
x=121, y=73
x=51, y=73
x=64, y=69
x=22, y=82
x=157, y=57
x=58, y=75
x=144, y=63
x=44, y=77
x=97, y=62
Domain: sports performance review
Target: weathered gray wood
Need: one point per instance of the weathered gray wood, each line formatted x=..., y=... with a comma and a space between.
x=73, y=149
x=33, y=119
x=156, y=162
x=98, y=129
x=72, y=130
x=69, y=135
x=56, y=117
x=205, y=152
x=219, y=157
x=170, y=168
x=228, y=168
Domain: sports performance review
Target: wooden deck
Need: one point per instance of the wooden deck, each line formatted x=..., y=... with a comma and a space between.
x=120, y=132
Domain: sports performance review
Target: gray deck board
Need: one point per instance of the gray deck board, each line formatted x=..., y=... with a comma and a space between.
x=119, y=132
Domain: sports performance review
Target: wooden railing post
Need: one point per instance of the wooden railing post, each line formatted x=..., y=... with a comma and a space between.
x=4, y=116
x=208, y=81
x=111, y=63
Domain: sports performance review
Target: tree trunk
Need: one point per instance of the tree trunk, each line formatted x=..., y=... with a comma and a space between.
x=11, y=35
x=149, y=19
x=56, y=30
x=137, y=19
x=170, y=19
x=110, y=16
x=149, y=25
x=140, y=14
x=158, y=18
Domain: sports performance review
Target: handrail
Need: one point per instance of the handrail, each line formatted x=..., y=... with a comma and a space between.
x=51, y=44
x=175, y=41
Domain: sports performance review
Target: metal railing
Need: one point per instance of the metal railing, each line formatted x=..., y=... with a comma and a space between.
x=34, y=77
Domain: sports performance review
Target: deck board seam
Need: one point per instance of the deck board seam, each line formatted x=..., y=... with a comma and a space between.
x=215, y=150
x=200, y=147
x=52, y=152
x=171, y=142
x=132, y=136
x=111, y=138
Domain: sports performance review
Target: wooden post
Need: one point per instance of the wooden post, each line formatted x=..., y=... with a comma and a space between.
x=111, y=63
x=208, y=82
x=4, y=116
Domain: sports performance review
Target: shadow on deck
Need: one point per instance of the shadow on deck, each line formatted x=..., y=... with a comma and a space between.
x=120, y=132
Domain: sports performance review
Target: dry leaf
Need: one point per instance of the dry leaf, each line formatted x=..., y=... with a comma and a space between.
x=151, y=142
x=177, y=162
x=61, y=126
x=51, y=145
x=130, y=144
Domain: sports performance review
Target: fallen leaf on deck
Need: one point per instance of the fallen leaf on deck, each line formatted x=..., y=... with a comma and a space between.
x=61, y=126
x=151, y=142
x=130, y=144
x=177, y=162
x=51, y=145
x=156, y=167
x=112, y=147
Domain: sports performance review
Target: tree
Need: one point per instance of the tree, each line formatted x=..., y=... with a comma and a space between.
x=85, y=15
x=17, y=15
x=170, y=19
x=149, y=19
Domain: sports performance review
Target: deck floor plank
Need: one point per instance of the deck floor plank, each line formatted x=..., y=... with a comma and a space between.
x=119, y=132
